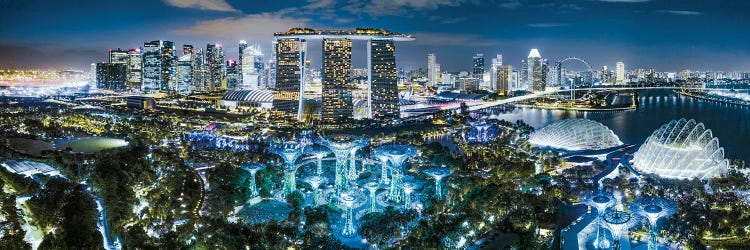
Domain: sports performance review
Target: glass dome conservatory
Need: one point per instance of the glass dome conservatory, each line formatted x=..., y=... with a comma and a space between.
x=575, y=134
x=682, y=149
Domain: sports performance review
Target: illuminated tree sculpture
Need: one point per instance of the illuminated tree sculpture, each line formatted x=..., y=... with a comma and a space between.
x=397, y=155
x=409, y=184
x=653, y=208
x=343, y=146
x=348, y=201
x=319, y=152
x=383, y=159
x=315, y=182
x=253, y=168
x=619, y=221
x=289, y=151
x=372, y=187
x=601, y=201
x=438, y=174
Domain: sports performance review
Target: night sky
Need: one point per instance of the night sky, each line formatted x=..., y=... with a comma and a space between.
x=666, y=35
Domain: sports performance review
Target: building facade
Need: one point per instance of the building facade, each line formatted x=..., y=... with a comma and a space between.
x=337, y=89
x=290, y=57
x=383, y=94
x=159, y=65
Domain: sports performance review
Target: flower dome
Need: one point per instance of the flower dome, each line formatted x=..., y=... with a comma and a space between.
x=575, y=134
x=681, y=149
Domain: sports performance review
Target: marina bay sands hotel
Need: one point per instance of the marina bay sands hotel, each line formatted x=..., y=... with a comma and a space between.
x=382, y=92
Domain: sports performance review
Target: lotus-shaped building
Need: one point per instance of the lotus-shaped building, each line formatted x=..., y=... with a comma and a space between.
x=575, y=134
x=682, y=149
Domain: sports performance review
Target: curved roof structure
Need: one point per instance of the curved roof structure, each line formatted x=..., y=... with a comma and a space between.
x=682, y=149
x=357, y=34
x=249, y=96
x=575, y=134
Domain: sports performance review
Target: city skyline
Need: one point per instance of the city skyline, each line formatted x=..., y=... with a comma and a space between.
x=642, y=33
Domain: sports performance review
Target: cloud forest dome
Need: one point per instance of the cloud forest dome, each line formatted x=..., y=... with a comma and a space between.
x=682, y=149
x=575, y=134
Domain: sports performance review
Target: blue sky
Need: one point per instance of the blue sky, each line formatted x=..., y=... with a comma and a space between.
x=666, y=35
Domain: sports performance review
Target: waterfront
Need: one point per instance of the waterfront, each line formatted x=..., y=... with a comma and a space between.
x=729, y=122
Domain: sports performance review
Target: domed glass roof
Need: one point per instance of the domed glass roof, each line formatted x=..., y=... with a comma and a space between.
x=682, y=149
x=575, y=134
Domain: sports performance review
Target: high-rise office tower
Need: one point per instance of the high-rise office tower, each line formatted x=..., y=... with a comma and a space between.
x=620, y=73
x=290, y=57
x=118, y=56
x=383, y=80
x=337, y=89
x=431, y=70
x=159, y=63
x=504, y=78
x=215, y=69
x=199, y=71
x=233, y=74
x=251, y=67
x=497, y=64
x=185, y=74
x=134, y=69
x=241, y=48
x=111, y=76
x=187, y=49
x=536, y=75
x=477, y=66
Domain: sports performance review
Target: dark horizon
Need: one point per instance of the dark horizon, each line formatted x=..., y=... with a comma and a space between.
x=665, y=35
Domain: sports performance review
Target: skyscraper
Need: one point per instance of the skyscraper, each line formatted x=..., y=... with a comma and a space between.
x=497, y=63
x=383, y=94
x=233, y=74
x=118, y=56
x=251, y=67
x=187, y=49
x=290, y=57
x=215, y=67
x=337, y=92
x=504, y=79
x=536, y=75
x=199, y=71
x=477, y=66
x=620, y=73
x=111, y=76
x=159, y=63
x=241, y=48
x=431, y=70
x=184, y=74
x=134, y=69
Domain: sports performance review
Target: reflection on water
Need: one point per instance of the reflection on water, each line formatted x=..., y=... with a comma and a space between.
x=728, y=122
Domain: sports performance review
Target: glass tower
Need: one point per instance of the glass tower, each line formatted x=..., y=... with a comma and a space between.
x=290, y=56
x=337, y=92
x=383, y=88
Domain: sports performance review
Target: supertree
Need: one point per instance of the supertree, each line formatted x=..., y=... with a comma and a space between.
x=383, y=159
x=618, y=222
x=253, y=168
x=601, y=201
x=653, y=208
x=438, y=174
x=348, y=201
x=372, y=187
x=409, y=184
x=289, y=151
x=397, y=155
x=315, y=182
x=319, y=152
x=343, y=146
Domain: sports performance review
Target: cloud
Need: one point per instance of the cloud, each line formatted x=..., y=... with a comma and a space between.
x=681, y=12
x=215, y=5
x=625, y=1
x=377, y=8
x=261, y=25
x=546, y=25
x=449, y=39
